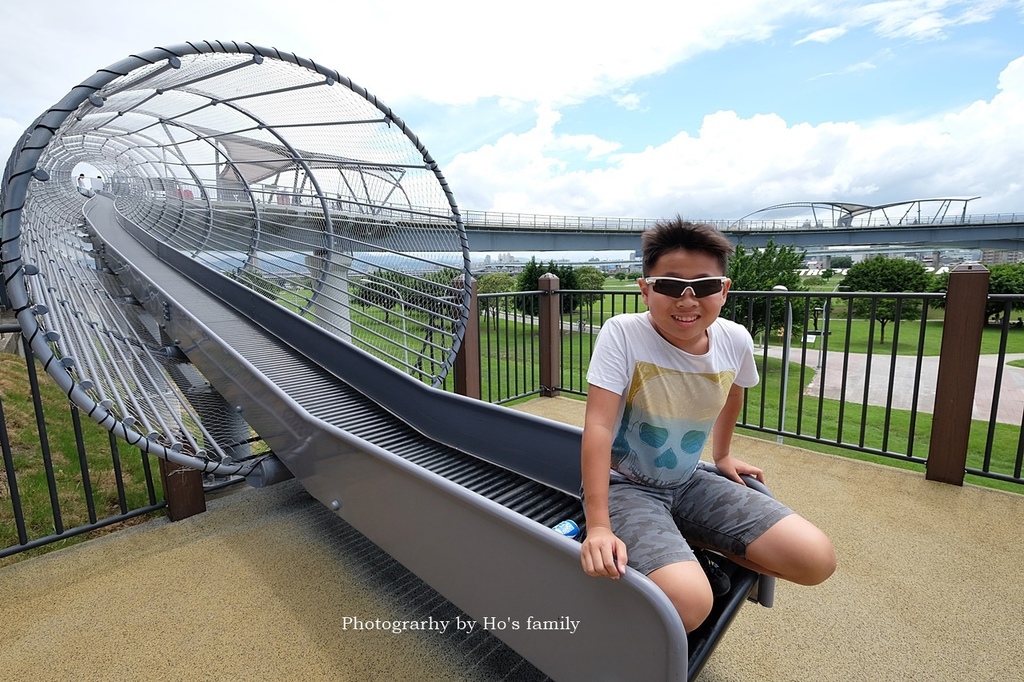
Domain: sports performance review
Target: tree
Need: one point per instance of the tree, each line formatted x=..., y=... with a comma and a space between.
x=529, y=276
x=383, y=289
x=762, y=270
x=258, y=281
x=529, y=280
x=841, y=262
x=589, y=278
x=494, y=283
x=1007, y=278
x=887, y=275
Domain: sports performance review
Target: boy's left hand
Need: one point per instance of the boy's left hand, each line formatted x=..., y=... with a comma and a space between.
x=733, y=468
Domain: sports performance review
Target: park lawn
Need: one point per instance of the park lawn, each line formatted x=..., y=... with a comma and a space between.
x=594, y=309
x=909, y=337
x=510, y=356
x=846, y=425
x=857, y=425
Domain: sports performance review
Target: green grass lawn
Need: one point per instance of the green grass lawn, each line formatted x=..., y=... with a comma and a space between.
x=910, y=337
x=510, y=356
x=855, y=424
x=828, y=420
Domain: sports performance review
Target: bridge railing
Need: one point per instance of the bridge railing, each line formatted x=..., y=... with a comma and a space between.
x=526, y=221
x=495, y=220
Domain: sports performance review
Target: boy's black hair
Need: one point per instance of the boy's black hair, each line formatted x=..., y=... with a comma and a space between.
x=676, y=233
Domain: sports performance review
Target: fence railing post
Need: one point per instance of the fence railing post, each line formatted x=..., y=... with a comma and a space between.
x=966, y=298
x=550, y=332
x=467, y=360
x=183, y=490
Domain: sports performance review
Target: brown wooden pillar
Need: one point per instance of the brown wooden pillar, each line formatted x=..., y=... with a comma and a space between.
x=966, y=297
x=550, y=331
x=183, y=490
x=467, y=361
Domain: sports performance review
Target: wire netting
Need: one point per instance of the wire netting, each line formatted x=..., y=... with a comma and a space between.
x=277, y=173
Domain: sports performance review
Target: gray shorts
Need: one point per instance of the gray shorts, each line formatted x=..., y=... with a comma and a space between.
x=709, y=509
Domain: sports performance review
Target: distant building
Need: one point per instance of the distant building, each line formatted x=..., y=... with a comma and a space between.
x=1001, y=257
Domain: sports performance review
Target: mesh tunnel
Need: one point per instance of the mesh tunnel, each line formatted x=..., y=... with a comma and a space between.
x=276, y=172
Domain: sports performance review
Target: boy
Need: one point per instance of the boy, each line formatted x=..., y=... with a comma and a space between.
x=660, y=383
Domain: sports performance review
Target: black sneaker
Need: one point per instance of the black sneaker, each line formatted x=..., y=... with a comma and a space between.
x=719, y=581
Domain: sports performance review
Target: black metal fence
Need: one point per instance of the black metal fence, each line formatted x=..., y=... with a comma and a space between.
x=62, y=477
x=861, y=376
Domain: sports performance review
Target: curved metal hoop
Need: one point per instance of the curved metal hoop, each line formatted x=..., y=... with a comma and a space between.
x=278, y=172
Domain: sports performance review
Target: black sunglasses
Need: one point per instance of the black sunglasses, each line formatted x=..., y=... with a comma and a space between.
x=675, y=287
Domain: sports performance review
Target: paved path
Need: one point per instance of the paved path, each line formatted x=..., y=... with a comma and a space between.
x=876, y=374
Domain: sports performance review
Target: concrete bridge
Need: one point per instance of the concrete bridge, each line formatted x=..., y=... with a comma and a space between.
x=297, y=224
x=300, y=227
x=913, y=226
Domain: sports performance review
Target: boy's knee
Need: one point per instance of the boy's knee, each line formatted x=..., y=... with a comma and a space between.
x=796, y=550
x=687, y=588
x=696, y=609
x=828, y=563
x=693, y=606
x=819, y=564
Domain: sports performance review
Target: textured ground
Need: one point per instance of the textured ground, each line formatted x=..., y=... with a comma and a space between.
x=259, y=587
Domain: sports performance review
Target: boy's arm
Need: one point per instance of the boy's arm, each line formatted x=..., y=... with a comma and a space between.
x=724, y=427
x=603, y=554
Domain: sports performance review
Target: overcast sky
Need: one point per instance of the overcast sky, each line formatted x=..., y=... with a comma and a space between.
x=633, y=108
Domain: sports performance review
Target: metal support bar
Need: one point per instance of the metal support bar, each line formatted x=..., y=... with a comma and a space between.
x=958, y=373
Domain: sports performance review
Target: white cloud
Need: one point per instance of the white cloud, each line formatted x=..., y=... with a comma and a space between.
x=923, y=19
x=547, y=55
x=737, y=165
x=630, y=101
x=852, y=68
x=825, y=35
x=448, y=53
x=551, y=53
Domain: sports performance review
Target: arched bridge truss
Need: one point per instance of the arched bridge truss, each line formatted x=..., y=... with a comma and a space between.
x=841, y=214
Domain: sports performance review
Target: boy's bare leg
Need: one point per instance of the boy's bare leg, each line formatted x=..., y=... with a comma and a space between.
x=793, y=549
x=686, y=586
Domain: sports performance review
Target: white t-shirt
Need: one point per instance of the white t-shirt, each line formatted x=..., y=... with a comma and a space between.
x=670, y=398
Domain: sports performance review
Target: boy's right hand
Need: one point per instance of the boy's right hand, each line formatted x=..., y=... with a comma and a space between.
x=603, y=554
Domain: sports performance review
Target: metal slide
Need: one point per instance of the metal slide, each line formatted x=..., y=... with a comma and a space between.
x=463, y=493
x=284, y=231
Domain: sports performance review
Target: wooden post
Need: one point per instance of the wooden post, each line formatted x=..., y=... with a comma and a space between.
x=183, y=490
x=966, y=298
x=550, y=332
x=467, y=361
